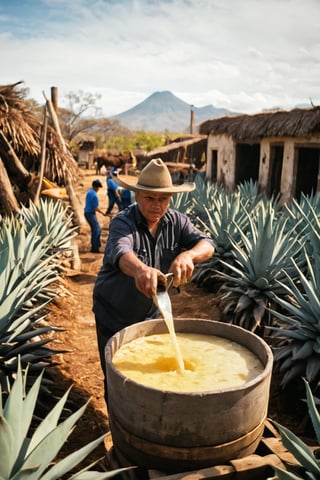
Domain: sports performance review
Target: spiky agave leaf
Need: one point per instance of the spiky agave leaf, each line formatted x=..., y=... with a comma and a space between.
x=24, y=277
x=28, y=269
x=302, y=453
x=259, y=263
x=23, y=458
x=224, y=216
x=201, y=198
x=304, y=216
x=21, y=324
x=54, y=221
x=89, y=475
x=313, y=412
x=182, y=202
x=251, y=197
x=299, y=329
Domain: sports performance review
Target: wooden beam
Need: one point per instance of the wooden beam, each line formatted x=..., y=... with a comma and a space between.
x=14, y=167
x=43, y=156
x=7, y=197
x=75, y=204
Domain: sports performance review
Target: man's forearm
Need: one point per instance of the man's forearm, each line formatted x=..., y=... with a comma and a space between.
x=129, y=264
x=202, y=251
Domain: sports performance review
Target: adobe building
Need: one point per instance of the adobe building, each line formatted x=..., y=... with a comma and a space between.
x=279, y=150
x=86, y=152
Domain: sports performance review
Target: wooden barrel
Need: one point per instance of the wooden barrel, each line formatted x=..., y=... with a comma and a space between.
x=174, y=431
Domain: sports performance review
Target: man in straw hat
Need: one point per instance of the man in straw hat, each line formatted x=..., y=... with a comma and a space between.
x=145, y=241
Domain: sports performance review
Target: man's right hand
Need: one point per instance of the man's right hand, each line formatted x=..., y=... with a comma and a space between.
x=146, y=278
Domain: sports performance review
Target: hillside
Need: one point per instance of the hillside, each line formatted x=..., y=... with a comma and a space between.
x=163, y=111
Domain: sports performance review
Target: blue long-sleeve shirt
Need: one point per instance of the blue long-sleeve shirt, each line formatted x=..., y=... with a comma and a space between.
x=91, y=202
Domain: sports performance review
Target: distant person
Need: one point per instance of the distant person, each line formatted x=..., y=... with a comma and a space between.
x=90, y=210
x=127, y=197
x=113, y=191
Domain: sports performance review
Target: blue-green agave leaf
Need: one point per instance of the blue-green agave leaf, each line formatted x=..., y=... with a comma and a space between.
x=63, y=466
x=298, y=449
x=7, y=450
x=313, y=411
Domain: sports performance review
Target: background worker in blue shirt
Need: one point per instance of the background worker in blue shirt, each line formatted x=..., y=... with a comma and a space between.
x=90, y=209
x=113, y=192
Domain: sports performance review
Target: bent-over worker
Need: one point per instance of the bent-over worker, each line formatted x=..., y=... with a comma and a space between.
x=146, y=241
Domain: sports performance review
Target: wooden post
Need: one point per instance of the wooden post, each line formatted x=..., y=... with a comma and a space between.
x=55, y=122
x=7, y=196
x=43, y=156
x=54, y=98
x=191, y=119
x=12, y=163
x=75, y=204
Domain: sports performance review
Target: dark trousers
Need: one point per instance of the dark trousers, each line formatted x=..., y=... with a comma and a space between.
x=103, y=335
x=95, y=231
x=113, y=199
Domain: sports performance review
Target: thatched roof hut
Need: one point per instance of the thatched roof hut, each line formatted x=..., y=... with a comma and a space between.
x=22, y=128
x=298, y=122
x=278, y=149
x=26, y=143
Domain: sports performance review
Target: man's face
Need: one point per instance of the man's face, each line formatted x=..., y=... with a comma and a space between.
x=152, y=205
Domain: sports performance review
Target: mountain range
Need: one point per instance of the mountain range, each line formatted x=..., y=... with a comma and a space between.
x=163, y=111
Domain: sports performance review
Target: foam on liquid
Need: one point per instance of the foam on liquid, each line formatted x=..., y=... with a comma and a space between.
x=210, y=362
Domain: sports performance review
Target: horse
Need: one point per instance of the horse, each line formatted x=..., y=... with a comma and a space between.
x=118, y=160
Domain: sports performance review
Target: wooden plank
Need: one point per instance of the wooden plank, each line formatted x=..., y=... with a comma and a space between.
x=251, y=467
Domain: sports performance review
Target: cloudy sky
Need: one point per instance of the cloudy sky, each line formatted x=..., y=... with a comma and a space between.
x=243, y=55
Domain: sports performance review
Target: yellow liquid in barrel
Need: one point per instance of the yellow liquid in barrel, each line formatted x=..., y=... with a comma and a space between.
x=210, y=363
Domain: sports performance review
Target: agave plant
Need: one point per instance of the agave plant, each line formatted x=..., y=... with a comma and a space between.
x=304, y=216
x=258, y=266
x=309, y=463
x=297, y=352
x=25, y=275
x=53, y=221
x=29, y=255
x=249, y=191
x=202, y=198
x=32, y=458
x=182, y=202
x=225, y=217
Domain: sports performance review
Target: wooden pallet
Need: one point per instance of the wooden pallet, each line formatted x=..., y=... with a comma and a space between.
x=258, y=466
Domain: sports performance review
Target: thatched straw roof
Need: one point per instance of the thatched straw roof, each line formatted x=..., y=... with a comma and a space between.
x=298, y=122
x=22, y=129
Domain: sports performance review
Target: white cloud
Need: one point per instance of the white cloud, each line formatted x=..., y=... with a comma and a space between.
x=245, y=56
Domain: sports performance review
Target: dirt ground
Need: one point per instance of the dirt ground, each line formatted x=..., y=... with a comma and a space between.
x=79, y=365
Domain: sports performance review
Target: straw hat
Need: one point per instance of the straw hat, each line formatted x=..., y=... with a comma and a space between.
x=155, y=177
